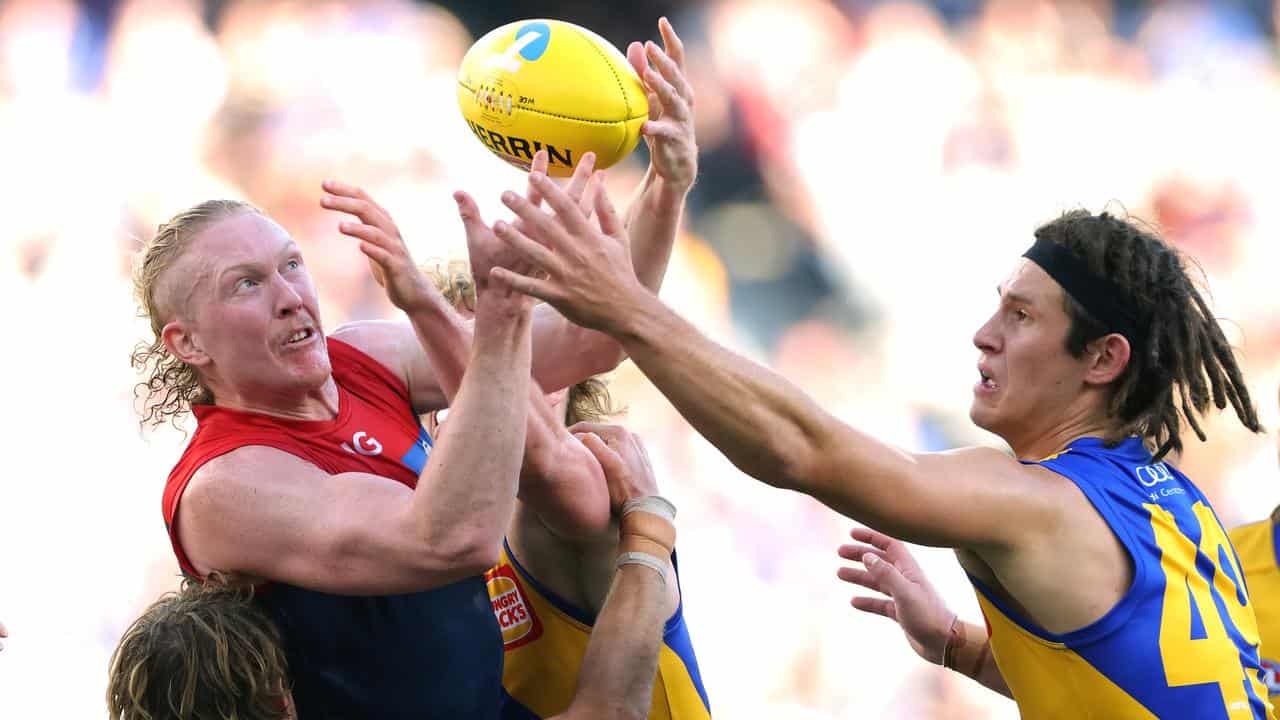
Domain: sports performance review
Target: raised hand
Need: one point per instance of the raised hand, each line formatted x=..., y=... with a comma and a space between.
x=381, y=243
x=581, y=188
x=585, y=272
x=912, y=601
x=485, y=251
x=669, y=132
x=626, y=465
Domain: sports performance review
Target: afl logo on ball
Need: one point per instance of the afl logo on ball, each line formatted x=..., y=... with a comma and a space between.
x=516, y=618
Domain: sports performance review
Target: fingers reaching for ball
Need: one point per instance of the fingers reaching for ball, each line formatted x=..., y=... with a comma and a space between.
x=583, y=269
x=673, y=149
x=539, y=165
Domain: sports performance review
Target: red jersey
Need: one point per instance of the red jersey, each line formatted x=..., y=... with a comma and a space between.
x=376, y=431
x=428, y=655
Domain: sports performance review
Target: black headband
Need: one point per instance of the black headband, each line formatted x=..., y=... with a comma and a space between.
x=1105, y=300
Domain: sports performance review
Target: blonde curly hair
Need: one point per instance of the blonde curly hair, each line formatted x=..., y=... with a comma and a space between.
x=204, y=653
x=171, y=386
x=588, y=401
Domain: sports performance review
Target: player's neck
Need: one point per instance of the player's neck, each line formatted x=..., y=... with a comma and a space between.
x=320, y=403
x=1057, y=437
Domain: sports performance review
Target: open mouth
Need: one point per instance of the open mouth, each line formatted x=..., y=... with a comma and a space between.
x=300, y=336
x=985, y=380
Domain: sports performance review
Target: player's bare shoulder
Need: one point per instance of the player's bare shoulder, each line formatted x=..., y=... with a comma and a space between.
x=383, y=340
x=1039, y=495
x=395, y=345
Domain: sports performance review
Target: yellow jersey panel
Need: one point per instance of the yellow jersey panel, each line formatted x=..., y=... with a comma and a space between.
x=1255, y=543
x=1049, y=680
x=545, y=640
x=1183, y=640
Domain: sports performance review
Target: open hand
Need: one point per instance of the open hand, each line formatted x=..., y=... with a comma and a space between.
x=582, y=270
x=581, y=188
x=381, y=243
x=913, y=603
x=669, y=132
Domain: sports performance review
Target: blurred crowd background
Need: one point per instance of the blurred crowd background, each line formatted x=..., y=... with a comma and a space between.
x=869, y=172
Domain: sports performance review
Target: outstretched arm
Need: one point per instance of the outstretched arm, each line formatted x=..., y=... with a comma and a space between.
x=978, y=498
x=933, y=631
x=618, y=672
x=653, y=216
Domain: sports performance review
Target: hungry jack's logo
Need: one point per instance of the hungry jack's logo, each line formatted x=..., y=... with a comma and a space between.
x=516, y=618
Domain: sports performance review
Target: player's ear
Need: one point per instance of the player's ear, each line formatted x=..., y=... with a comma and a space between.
x=181, y=343
x=1109, y=356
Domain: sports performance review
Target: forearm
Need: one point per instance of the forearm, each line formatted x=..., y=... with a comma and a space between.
x=652, y=222
x=469, y=485
x=618, y=671
x=751, y=414
x=774, y=432
x=566, y=354
x=446, y=340
x=969, y=653
x=565, y=487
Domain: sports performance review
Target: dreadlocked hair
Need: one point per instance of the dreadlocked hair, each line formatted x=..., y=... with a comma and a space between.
x=204, y=653
x=1181, y=362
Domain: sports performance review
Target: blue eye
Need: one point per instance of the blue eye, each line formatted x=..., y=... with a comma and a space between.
x=246, y=283
x=293, y=264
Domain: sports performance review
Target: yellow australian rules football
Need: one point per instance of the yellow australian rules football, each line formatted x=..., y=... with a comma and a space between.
x=538, y=84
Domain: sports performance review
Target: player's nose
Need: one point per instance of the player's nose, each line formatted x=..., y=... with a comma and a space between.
x=987, y=338
x=288, y=299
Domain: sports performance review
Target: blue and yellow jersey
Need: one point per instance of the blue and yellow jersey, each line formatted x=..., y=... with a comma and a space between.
x=545, y=640
x=1181, y=643
x=1256, y=544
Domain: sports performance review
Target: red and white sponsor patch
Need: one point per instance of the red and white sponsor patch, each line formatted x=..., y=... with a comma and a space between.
x=516, y=618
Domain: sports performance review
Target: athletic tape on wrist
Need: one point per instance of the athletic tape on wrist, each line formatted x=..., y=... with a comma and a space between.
x=645, y=531
x=655, y=504
x=645, y=559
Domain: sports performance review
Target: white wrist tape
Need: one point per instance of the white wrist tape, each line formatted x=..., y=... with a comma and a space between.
x=645, y=559
x=655, y=504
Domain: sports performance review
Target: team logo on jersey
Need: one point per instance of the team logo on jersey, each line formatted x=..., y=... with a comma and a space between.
x=516, y=618
x=1152, y=475
x=1271, y=676
x=362, y=443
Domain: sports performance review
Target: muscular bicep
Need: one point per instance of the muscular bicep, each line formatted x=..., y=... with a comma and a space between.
x=266, y=514
x=968, y=498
